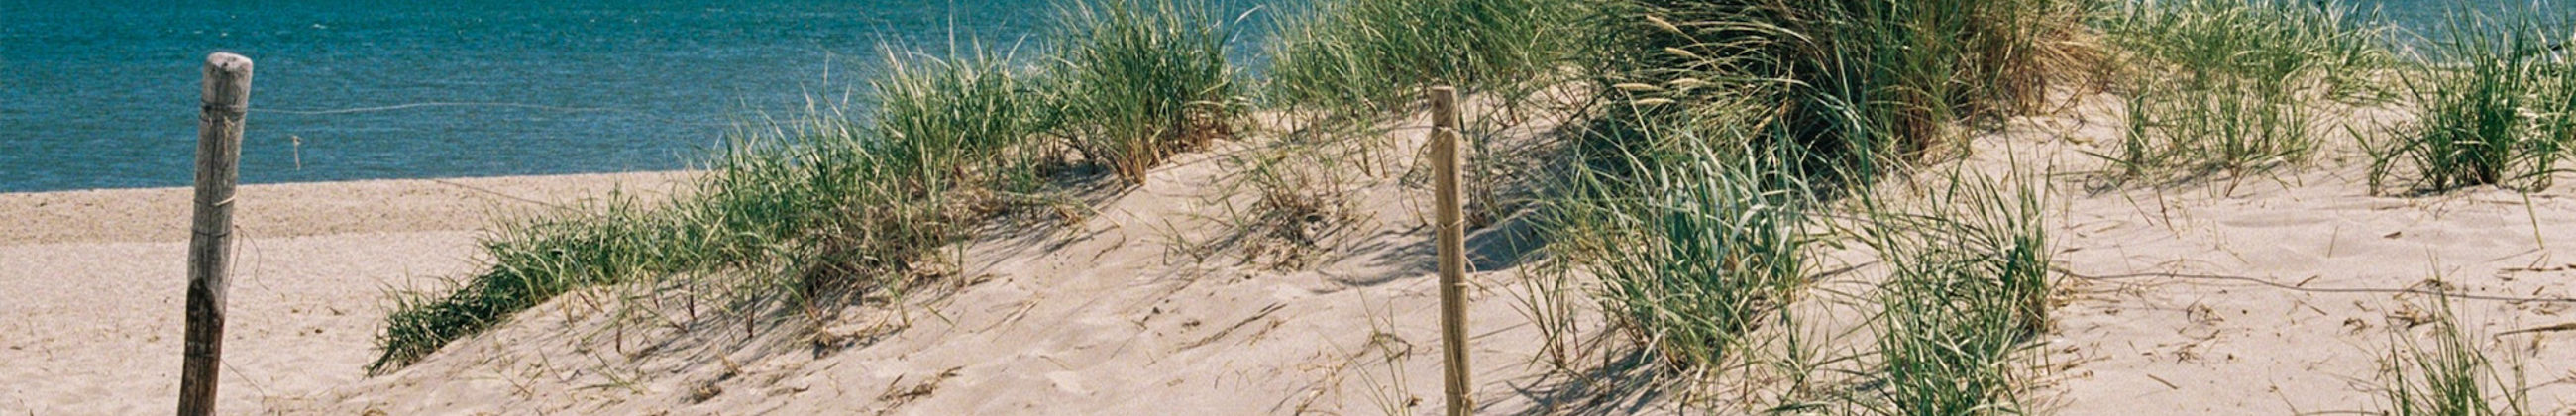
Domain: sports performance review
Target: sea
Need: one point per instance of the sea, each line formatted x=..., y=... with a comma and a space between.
x=103, y=93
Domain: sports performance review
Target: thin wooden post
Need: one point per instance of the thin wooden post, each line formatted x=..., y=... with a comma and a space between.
x=219, y=135
x=1453, y=249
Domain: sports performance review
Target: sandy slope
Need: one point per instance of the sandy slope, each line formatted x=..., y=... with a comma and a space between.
x=1132, y=309
x=93, y=281
x=1113, y=315
x=2174, y=304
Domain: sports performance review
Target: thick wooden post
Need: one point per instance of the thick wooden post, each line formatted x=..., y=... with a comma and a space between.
x=1453, y=249
x=219, y=135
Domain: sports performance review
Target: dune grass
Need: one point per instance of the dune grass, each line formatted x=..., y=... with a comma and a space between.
x=1301, y=200
x=1365, y=57
x=2230, y=85
x=2203, y=42
x=2451, y=378
x=1728, y=121
x=1858, y=84
x=2493, y=108
x=820, y=204
x=1970, y=280
x=1690, y=254
x=833, y=204
x=1339, y=69
x=1944, y=347
x=1140, y=80
x=1727, y=124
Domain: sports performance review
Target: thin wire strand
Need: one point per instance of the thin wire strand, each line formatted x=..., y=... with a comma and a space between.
x=2266, y=282
x=432, y=104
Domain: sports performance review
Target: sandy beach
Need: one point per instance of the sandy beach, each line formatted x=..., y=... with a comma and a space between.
x=2256, y=297
x=93, y=282
x=1183, y=207
x=2260, y=297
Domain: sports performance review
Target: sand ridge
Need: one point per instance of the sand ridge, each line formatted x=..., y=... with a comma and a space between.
x=1110, y=315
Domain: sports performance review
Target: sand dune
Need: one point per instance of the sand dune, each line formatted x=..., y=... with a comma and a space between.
x=2276, y=293
x=2261, y=296
x=1107, y=316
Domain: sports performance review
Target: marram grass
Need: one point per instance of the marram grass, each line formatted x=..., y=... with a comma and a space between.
x=1862, y=86
x=1370, y=56
x=2452, y=377
x=2228, y=85
x=827, y=203
x=795, y=210
x=1141, y=80
x=1692, y=255
x=1970, y=281
x=1726, y=122
x=2493, y=108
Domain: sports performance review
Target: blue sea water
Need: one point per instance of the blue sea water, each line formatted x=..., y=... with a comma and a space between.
x=103, y=93
x=2426, y=21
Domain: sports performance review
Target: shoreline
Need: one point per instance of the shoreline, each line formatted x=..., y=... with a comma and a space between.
x=313, y=208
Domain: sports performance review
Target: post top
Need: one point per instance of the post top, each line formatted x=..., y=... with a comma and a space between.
x=228, y=62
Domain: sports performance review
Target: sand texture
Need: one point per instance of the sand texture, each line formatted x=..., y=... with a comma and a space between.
x=93, y=282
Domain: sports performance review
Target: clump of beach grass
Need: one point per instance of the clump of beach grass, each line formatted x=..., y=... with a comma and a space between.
x=2493, y=108
x=2328, y=44
x=1338, y=69
x=801, y=209
x=2453, y=377
x=1365, y=57
x=1727, y=125
x=1301, y=199
x=1141, y=80
x=1693, y=253
x=1969, y=282
x=533, y=261
x=828, y=204
x=2230, y=85
x=1857, y=84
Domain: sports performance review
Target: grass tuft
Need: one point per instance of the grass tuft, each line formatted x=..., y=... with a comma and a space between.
x=2448, y=379
x=1727, y=122
x=1361, y=57
x=1693, y=256
x=842, y=205
x=1141, y=80
x=2493, y=109
x=2227, y=85
x=1857, y=84
x=1969, y=282
x=1301, y=201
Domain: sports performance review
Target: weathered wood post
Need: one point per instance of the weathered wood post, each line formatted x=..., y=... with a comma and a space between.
x=219, y=135
x=1453, y=249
